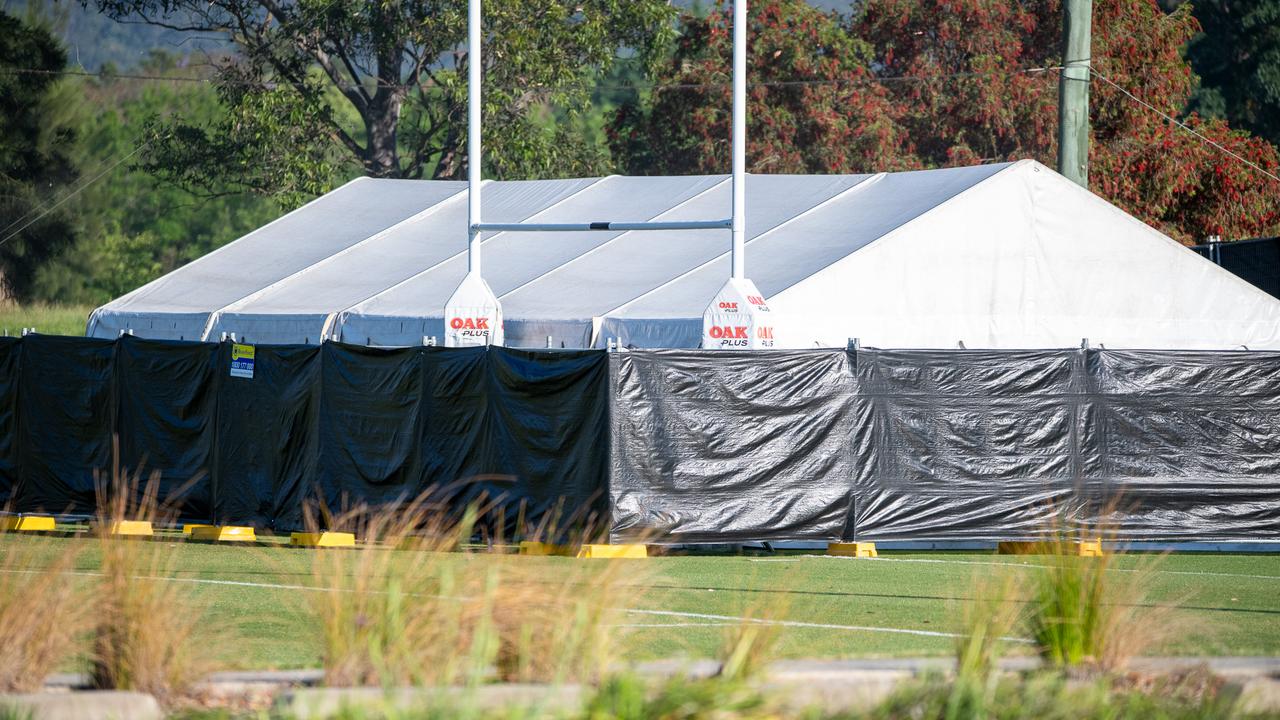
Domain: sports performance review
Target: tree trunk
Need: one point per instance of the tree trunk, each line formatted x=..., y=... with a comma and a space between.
x=382, y=154
x=382, y=157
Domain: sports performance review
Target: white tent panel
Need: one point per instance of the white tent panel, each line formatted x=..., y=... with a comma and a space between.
x=405, y=313
x=1050, y=264
x=637, y=263
x=1009, y=255
x=672, y=315
x=298, y=308
x=178, y=305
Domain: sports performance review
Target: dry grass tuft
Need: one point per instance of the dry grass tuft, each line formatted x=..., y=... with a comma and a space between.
x=435, y=616
x=1087, y=613
x=44, y=611
x=751, y=643
x=986, y=622
x=150, y=630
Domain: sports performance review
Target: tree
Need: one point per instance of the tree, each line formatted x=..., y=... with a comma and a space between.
x=35, y=146
x=930, y=83
x=992, y=101
x=815, y=105
x=962, y=74
x=132, y=227
x=1237, y=57
x=319, y=85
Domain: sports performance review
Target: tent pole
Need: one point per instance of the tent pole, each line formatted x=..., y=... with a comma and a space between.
x=474, y=160
x=739, y=137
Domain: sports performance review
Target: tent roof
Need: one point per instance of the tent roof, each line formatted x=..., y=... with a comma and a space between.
x=375, y=260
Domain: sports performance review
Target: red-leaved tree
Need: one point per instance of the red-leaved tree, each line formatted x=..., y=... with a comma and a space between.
x=929, y=83
x=814, y=103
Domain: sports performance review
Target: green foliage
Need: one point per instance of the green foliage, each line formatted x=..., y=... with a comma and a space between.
x=815, y=106
x=332, y=87
x=931, y=83
x=36, y=143
x=629, y=698
x=1237, y=57
x=133, y=227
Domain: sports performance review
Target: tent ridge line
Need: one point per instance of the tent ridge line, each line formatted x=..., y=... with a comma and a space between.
x=874, y=179
x=338, y=316
x=617, y=237
x=256, y=294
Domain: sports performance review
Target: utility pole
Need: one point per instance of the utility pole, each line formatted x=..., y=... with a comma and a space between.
x=1073, y=91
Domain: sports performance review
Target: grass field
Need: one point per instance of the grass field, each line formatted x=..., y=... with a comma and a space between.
x=47, y=319
x=682, y=605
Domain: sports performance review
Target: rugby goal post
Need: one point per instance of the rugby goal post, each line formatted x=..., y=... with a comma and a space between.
x=737, y=318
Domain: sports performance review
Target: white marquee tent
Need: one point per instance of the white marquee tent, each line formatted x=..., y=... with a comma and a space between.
x=994, y=256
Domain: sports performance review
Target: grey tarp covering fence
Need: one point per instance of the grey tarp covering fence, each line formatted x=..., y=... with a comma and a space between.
x=945, y=444
x=685, y=445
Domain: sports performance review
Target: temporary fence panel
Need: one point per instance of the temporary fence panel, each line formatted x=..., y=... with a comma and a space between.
x=546, y=440
x=267, y=436
x=1186, y=445
x=165, y=419
x=970, y=444
x=10, y=356
x=678, y=445
x=66, y=410
x=715, y=447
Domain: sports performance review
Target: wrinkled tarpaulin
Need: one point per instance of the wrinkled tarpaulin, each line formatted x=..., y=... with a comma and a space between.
x=338, y=424
x=953, y=444
x=695, y=445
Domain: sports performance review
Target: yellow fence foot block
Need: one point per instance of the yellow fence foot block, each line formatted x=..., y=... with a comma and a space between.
x=1090, y=548
x=541, y=549
x=853, y=549
x=1087, y=548
x=322, y=539
x=224, y=533
x=613, y=552
x=27, y=523
x=188, y=527
x=127, y=528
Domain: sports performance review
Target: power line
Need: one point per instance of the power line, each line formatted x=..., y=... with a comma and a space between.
x=1184, y=126
x=867, y=80
x=72, y=193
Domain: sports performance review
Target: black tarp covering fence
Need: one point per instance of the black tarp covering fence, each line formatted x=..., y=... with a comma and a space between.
x=335, y=425
x=686, y=445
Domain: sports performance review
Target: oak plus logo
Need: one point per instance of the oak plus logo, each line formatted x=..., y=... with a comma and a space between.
x=731, y=332
x=471, y=328
x=477, y=323
x=726, y=306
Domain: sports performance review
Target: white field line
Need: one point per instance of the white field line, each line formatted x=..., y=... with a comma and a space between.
x=676, y=625
x=1010, y=564
x=727, y=619
x=801, y=624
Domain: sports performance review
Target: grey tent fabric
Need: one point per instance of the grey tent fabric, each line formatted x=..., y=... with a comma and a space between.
x=1005, y=255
